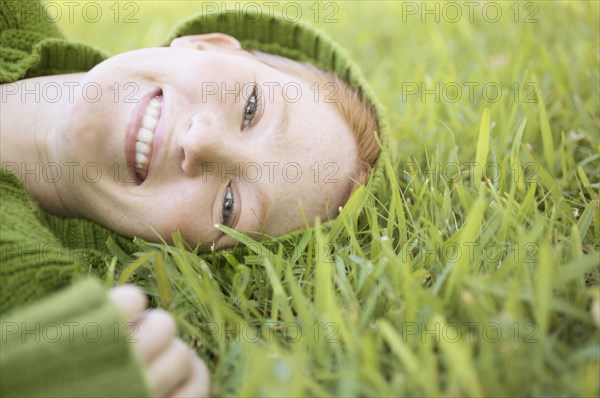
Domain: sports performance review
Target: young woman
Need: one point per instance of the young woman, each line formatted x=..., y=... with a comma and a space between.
x=262, y=128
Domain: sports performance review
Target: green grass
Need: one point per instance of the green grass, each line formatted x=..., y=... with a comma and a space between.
x=473, y=280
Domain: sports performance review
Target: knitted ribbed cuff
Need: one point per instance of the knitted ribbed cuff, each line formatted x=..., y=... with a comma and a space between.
x=72, y=344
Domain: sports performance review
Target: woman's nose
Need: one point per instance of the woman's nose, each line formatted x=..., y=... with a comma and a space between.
x=208, y=144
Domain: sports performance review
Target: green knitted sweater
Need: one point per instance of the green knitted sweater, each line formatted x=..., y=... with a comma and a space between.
x=73, y=342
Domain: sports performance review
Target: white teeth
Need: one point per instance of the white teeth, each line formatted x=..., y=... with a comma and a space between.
x=140, y=158
x=153, y=107
x=141, y=147
x=152, y=111
x=149, y=122
x=145, y=136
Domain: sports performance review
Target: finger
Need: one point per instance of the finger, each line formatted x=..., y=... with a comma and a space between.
x=170, y=368
x=198, y=385
x=157, y=331
x=129, y=299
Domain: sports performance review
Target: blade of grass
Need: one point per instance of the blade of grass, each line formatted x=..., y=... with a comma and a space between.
x=164, y=285
x=483, y=145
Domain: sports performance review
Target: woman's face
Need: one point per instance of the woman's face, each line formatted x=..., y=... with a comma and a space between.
x=202, y=133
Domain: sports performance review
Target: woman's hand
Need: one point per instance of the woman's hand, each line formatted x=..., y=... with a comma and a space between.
x=172, y=368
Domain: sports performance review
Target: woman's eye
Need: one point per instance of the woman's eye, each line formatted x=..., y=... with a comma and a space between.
x=227, y=206
x=251, y=108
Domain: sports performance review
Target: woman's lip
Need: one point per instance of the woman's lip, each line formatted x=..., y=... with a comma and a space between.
x=135, y=122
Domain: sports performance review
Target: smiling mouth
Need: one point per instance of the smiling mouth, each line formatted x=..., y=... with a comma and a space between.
x=145, y=136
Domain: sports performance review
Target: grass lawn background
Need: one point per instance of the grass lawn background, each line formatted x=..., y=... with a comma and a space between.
x=481, y=275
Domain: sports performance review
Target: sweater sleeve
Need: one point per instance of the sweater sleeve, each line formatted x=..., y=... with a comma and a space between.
x=57, y=338
x=71, y=344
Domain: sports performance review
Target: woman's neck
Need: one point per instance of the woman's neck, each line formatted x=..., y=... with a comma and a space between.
x=31, y=110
